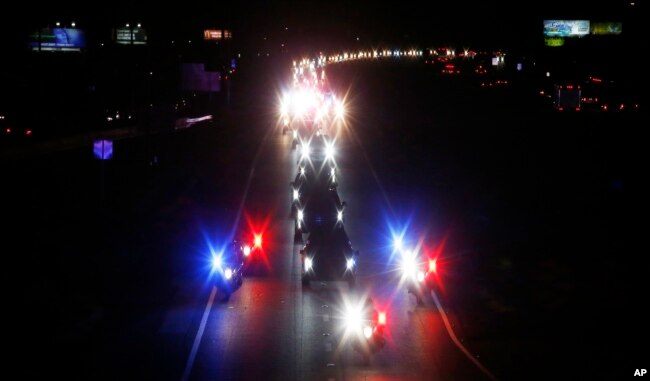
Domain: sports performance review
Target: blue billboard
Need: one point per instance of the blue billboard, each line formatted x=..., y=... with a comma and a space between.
x=566, y=28
x=103, y=149
x=58, y=39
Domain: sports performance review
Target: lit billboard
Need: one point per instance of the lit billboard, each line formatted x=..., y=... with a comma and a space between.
x=58, y=39
x=554, y=41
x=216, y=34
x=212, y=34
x=606, y=28
x=566, y=28
x=130, y=36
x=103, y=149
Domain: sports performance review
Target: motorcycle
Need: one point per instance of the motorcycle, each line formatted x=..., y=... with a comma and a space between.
x=416, y=273
x=365, y=328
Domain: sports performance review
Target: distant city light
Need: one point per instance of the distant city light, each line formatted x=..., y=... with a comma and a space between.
x=548, y=74
x=128, y=25
x=58, y=23
x=73, y=24
x=139, y=25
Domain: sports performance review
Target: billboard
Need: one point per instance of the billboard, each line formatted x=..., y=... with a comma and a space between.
x=194, y=77
x=603, y=28
x=212, y=34
x=130, y=36
x=553, y=41
x=58, y=39
x=566, y=28
x=216, y=34
x=103, y=149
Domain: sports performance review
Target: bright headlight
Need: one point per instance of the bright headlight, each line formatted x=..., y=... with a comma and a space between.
x=308, y=264
x=228, y=273
x=300, y=215
x=339, y=216
x=296, y=195
x=349, y=263
x=295, y=134
x=329, y=151
x=247, y=250
x=305, y=150
x=367, y=332
x=353, y=318
x=420, y=276
x=409, y=264
x=340, y=109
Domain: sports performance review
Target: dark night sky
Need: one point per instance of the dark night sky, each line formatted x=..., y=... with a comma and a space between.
x=486, y=22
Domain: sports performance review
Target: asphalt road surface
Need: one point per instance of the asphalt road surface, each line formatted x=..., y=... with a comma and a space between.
x=119, y=287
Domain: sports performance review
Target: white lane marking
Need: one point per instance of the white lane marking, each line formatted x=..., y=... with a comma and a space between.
x=460, y=346
x=199, y=335
x=326, y=317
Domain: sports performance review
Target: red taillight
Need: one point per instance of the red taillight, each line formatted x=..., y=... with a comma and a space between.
x=381, y=320
x=28, y=132
x=258, y=240
x=8, y=130
x=433, y=266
